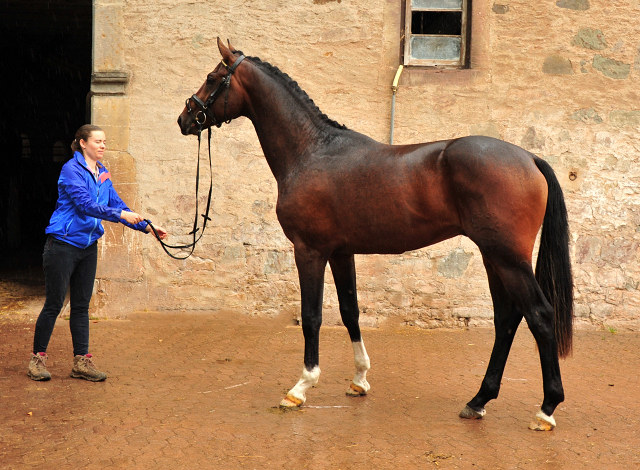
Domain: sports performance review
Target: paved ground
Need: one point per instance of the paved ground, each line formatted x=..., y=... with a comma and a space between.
x=200, y=391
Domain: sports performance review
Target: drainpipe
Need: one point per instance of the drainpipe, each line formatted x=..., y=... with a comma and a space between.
x=394, y=88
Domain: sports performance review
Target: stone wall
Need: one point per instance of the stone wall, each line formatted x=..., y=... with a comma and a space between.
x=557, y=78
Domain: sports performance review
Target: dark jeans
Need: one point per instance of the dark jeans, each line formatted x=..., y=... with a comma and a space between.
x=66, y=267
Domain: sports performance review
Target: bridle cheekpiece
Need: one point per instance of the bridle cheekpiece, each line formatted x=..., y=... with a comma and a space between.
x=205, y=106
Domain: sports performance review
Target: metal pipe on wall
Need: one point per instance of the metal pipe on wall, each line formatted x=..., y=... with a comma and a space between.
x=394, y=88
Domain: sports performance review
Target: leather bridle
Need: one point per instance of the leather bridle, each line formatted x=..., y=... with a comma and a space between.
x=200, y=118
x=205, y=110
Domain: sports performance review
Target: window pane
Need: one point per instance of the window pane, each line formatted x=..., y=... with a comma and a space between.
x=435, y=48
x=436, y=22
x=437, y=4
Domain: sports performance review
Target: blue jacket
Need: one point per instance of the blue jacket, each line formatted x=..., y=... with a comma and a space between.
x=83, y=202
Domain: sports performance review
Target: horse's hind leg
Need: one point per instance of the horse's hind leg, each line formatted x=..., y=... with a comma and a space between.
x=344, y=275
x=311, y=265
x=506, y=319
x=519, y=281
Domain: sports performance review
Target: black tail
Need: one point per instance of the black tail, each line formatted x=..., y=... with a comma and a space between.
x=553, y=269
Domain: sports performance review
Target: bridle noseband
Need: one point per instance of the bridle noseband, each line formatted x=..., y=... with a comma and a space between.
x=205, y=106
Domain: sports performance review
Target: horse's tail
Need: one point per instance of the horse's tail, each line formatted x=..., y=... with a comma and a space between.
x=553, y=268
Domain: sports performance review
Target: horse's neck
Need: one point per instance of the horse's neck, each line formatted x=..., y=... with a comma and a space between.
x=287, y=131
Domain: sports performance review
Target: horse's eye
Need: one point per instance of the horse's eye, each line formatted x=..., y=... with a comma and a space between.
x=211, y=79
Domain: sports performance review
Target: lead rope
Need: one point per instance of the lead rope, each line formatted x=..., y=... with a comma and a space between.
x=206, y=217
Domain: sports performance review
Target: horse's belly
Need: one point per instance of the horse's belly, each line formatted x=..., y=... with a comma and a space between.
x=369, y=225
x=398, y=239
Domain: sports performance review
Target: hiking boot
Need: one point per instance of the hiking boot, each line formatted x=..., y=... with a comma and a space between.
x=84, y=368
x=38, y=367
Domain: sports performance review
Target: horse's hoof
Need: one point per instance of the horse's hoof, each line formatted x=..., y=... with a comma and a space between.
x=542, y=422
x=470, y=413
x=356, y=390
x=291, y=402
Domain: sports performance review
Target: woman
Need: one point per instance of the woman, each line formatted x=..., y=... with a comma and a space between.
x=85, y=198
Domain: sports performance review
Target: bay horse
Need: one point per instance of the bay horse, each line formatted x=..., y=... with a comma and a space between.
x=342, y=193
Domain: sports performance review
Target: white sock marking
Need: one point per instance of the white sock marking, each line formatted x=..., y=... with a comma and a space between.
x=307, y=380
x=362, y=363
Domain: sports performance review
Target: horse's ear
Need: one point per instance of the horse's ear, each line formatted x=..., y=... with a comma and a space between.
x=231, y=48
x=225, y=52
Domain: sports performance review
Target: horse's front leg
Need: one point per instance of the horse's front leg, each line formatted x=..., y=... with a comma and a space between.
x=311, y=265
x=344, y=274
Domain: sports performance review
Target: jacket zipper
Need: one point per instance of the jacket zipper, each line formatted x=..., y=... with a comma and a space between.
x=95, y=220
x=66, y=230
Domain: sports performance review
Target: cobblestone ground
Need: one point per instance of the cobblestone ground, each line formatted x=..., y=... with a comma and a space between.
x=189, y=391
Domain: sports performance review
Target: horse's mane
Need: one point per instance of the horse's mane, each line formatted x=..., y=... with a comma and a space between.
x=292, y=85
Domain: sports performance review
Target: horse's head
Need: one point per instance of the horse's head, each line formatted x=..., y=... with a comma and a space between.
x=219, y=98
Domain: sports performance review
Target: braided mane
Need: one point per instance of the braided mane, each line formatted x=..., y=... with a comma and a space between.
x=292, y=85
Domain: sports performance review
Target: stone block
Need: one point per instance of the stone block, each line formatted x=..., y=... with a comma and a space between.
x=122, y=167
x=473, y=312
x=620, y=118
x=581, y=310
x=532, y=139
x=587, y=249
x=109, y=41
x=111, y=113
x=611, y=68
x=587, y=116
x=590, y=38
x=557, y=65
x=454, y=264
x=620, y=252
x=500, y=9
x=580, y=5
x=601, y=310
x=278, y=262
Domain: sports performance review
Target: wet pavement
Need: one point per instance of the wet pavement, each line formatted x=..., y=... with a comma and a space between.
x=200, y=391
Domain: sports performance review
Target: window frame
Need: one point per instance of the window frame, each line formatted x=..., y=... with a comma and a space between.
x=462, y=62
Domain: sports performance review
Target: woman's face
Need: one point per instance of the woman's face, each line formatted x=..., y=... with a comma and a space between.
x=93, y=148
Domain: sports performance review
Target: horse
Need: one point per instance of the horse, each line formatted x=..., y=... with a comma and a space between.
x=342, y=193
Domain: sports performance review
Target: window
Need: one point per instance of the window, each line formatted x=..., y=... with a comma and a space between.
x=26, y=146
x=59, y=155
x=435, y=32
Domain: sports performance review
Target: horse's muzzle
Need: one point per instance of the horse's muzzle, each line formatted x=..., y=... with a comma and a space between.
x=186, y=124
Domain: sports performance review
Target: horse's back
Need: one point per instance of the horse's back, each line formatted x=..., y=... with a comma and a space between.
x=488, y=151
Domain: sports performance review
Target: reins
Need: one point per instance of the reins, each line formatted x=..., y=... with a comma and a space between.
x=200, y=118
x=206, y=217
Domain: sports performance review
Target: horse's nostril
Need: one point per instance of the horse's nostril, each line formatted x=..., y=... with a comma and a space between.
x=179, y=120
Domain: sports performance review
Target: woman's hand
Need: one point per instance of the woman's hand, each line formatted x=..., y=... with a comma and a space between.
x=162, y=233
x=131, y=217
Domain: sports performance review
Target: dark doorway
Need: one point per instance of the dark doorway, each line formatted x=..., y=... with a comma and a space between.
x=45, y=65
